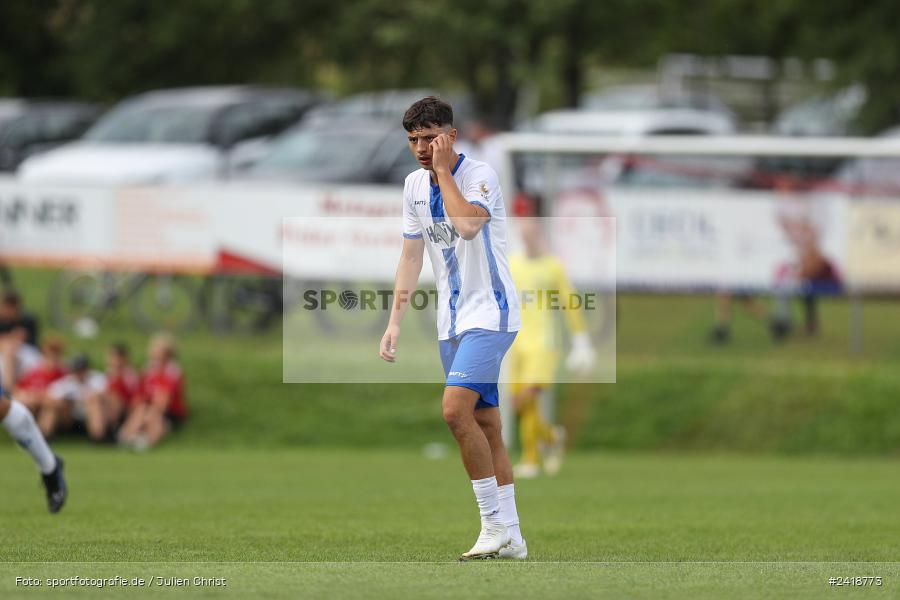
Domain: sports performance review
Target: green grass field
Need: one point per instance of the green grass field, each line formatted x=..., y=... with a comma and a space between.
x=338, y=524
x=674, y=390
x=746, y=471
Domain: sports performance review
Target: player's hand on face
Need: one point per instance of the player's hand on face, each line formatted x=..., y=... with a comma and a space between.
x=441, y=151
x=388, y=349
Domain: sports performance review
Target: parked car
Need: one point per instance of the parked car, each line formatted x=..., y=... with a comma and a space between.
x=638, y=110
x=28, y=127
x=388, y=105
x=872, y=176
x=173, y=135
x=635, y=122
x=650, y=97
x=10, y=108
x=823, y=115
x=346, y=150
x=614, y=115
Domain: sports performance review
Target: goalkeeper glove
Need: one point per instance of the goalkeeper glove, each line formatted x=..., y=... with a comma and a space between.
x=582, y=355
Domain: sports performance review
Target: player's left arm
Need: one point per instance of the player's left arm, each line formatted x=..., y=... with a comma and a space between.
x=467, y=218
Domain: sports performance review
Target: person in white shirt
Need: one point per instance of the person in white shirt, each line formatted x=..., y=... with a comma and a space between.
x=73, y=401
x=453, y=207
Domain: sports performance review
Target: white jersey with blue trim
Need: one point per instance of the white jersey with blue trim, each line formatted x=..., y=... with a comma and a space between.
x=475, y=288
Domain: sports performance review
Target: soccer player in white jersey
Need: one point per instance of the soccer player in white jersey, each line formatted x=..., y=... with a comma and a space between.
x=17, y=420
x=453, y=207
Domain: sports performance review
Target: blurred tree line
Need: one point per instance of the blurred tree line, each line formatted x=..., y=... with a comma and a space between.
x=491, y=48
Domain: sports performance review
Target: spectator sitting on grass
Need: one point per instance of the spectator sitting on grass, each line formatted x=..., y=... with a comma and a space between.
x=17, y=356
x=123, y=384
x=162, y=407
x=31, y=389
x=13, y=316
x=75, y=402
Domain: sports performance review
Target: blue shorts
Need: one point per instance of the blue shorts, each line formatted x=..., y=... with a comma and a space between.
x=472, y=360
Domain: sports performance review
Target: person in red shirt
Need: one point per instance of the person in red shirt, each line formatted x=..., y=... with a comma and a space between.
x=31, y=388
x=122, y=388
x=161, y=406
x=123, y=384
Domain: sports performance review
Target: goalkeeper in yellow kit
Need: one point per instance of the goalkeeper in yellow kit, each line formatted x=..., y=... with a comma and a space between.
x=534, y=358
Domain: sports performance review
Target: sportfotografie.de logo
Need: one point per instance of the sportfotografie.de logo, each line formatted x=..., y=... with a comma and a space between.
x=383, y=299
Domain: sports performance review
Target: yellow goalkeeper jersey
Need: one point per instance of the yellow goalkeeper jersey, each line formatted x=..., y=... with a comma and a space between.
x=545, y=292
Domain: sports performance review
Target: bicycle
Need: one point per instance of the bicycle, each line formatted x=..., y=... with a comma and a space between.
x=247, y=304
x=242, y=304
x=80, y=300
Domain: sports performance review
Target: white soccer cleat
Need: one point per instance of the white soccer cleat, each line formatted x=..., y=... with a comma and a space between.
x=553, y=456
x=514, y=551
x=494, y=536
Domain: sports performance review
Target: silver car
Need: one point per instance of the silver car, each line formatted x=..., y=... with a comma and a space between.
x=173, y=136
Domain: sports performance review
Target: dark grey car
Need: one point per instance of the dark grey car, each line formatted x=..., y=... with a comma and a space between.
x=341, y=151
x=28, y=127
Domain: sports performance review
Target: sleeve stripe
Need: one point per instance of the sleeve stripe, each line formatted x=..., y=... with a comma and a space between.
x=413, y=236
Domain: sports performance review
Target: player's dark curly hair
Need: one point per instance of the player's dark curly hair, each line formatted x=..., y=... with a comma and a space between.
x=427, y=112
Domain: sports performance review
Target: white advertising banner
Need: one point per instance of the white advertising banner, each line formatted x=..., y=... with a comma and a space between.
x=152, y=229
x=663, y=238
x=260, y=225
x=346, y=248
x=709, y=239
x=164, y=229
x=54, y=226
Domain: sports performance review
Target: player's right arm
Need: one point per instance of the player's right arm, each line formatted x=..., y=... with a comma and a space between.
x=405, y=281
x=582, y=355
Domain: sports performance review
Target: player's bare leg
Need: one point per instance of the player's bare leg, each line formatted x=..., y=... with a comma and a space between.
x=8, y=347
x=53, y=412
x=155, y=428
x=30, y=399
x=459, y=414
x=114, y=409
x=95, y=417
x=721, y=331
x=133, y=425
x=489, y=421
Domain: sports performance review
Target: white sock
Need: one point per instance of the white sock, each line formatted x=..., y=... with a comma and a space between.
x=21, y=426
x=508, y=513
x=486, y=496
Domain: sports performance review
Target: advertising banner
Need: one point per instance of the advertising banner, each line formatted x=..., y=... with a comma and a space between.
x=668, y=239
x=873, y=245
